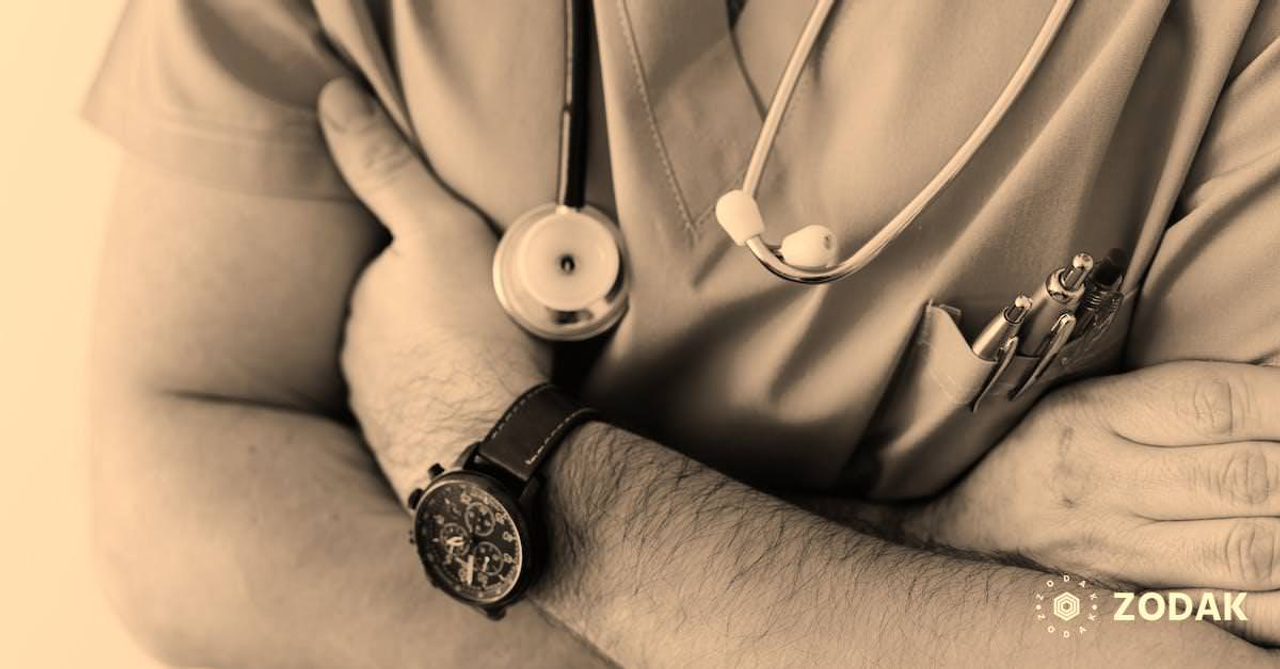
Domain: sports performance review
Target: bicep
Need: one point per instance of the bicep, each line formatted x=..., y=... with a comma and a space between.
x=211, y=292
x=238, y=302
x=1211, y=292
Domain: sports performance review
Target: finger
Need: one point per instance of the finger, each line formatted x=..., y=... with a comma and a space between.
x=1193, y=403
x=1201, y=482
x=1261, y=612
x=386, y=173
x=1231, y=553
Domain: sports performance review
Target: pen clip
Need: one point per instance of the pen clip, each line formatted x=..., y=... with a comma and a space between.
x=1091, y=328
x=1103, y=323
x=1052, y=346
x=1004, y=356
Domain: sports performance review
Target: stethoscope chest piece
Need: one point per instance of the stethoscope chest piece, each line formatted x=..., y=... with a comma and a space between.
x=560, y=272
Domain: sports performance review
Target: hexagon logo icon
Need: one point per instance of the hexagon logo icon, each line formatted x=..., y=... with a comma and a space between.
x=1066, y=606
x=1074, y=613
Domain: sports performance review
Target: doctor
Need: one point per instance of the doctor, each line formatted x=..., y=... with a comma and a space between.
x=656, y=558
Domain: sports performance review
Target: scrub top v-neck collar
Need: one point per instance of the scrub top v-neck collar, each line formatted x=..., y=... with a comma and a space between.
x=684, y=93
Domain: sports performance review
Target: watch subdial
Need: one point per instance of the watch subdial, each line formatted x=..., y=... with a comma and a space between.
x=480, y=519
x=490, y=558
x=455, y=540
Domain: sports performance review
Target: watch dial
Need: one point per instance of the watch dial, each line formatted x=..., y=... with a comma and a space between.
x=469, y=541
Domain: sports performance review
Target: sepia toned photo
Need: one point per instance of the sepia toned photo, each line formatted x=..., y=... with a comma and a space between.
x=647, y=333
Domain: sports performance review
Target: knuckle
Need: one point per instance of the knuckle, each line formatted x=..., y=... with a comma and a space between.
x=1247, y=477
x=349, y=364
x=385, y=154
x=1250, y=552
x=1091, y=403
x=379, y=159
x=1074, y=475
x=1213, y=406
x=1069, y=405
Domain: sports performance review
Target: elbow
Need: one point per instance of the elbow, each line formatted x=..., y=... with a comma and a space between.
x=152, y=606
x=144, y=544
x=144, y=605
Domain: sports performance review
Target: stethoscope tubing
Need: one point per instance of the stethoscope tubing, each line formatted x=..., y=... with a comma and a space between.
x=768, y=254
x=782, y=95
x=571, y=183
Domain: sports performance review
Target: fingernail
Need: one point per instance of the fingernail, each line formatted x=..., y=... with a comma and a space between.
x=345, y=105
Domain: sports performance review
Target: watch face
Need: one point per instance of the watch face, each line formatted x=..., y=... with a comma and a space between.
x=471, y=537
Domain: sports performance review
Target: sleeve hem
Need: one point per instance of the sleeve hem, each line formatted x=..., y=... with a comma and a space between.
x=262, y=164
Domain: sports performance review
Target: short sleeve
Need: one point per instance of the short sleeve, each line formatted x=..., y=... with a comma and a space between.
x=222, y=92
x=1213, y=290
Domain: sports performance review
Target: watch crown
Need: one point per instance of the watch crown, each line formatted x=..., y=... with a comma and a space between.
x=414, y=496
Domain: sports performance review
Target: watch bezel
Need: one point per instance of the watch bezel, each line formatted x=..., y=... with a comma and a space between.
x=530, y=550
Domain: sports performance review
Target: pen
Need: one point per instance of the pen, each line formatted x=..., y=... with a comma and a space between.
x=1048, y=351
x=1001, y=328
x=1004, y=356
x=1101, y=295
x=1060, y=293
x=998, y=342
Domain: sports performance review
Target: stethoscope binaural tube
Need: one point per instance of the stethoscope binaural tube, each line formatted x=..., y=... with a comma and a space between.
x=560, y=271
x=808, y=255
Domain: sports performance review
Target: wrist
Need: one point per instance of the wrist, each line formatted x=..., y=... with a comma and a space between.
x=920, y=525
x=436, y=427
x=478, y=404
x=463, y=394
x=576, y=496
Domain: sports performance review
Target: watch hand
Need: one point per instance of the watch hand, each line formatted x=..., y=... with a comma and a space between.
x=471, y=569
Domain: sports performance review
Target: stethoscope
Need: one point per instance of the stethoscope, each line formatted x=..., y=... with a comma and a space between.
x=561, y=269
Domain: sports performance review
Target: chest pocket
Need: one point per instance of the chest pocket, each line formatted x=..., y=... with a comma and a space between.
x=924, y=434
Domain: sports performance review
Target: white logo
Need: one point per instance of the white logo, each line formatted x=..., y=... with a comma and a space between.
x=1181, y=606
x=1067, y=606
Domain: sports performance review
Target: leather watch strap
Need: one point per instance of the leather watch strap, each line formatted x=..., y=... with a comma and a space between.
x=531, y=428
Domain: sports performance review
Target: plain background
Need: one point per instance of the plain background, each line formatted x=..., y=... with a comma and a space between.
x=56, y=175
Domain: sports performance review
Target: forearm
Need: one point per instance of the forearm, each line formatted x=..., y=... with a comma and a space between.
x=237, y=535
x=915, y=524
x=661, y=561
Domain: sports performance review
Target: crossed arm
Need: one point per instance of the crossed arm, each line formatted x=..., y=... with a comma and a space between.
x=242, y=520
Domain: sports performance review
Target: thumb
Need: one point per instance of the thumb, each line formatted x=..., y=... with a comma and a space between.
x=386, y=173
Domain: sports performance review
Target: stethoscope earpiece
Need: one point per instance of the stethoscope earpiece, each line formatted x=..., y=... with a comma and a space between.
x=739, y=215
x=560, y=272
x=810, y=248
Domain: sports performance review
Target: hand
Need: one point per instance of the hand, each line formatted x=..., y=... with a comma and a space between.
x=1163, y=477
x=431, y=358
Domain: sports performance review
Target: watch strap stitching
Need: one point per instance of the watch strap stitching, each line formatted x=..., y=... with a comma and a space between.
x=569, y=421
x=506, y=417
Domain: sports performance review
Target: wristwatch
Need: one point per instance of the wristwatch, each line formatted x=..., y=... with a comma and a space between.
x=476, y=525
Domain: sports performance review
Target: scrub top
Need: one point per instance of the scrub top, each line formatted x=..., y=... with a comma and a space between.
x=1150, y=126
